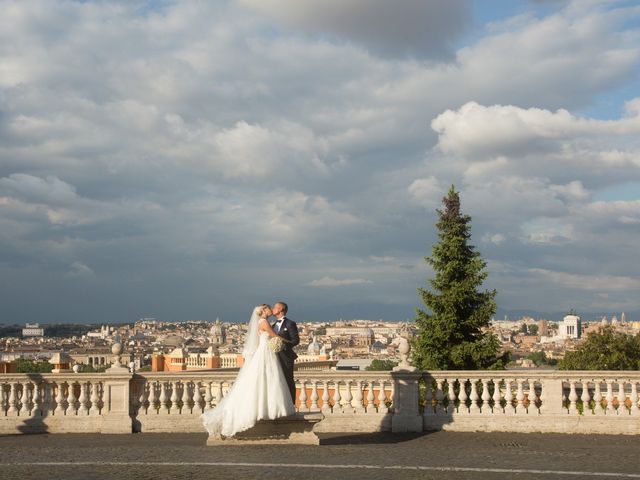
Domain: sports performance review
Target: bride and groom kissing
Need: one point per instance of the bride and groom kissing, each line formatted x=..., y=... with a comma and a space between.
x=264, y=388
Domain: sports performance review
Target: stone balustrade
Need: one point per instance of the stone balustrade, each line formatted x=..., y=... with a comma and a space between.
x=349, y=401
x=64, y=403
x=531, y=401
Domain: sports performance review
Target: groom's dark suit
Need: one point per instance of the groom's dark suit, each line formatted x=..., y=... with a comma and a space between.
x=288, y=331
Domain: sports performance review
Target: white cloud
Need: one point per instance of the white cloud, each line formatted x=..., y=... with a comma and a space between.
x=246, y=151
x=427, y=192
x=79, y=269
x=333, y=282
x=496, y=238
x=478, y=131
x=50, y=190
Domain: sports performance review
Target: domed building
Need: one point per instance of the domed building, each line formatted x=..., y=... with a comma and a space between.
x=217, y=334
x=366, y=338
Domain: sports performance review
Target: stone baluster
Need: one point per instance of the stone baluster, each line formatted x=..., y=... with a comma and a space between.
x=218, y=395
x=336, y=397
x=72, y=408
x=451, y=408
x=371, y=408
x=3, y=398
x=520, y=397
x=358, y=403
x=61, y=407
x=440, y=396
x=208, y=397
x=633, y=398
x=597, y=399
x=142, y=398
x=84, y=399
x=585, y=398
x=326, y=408
x=174, y=407
x=544, y=397
x=346, y=400
x=622, y=398
x=37, y=399
x=12, y=411
x=227, y=387
x=314, y=396
x=462, y=406
x=198, y=401
x=392, y=399
x=153, y=398
x=382, y=398
x=303, y=396
x=428, y=397
x=486, y=397
x=509, y=408
x=497, y=397
x=186, y=398
x=48, y=403
x=537, y=394
x=609, y=397
x=474, y=397
x=25, y=401
x=164, y=398
x=573, y=396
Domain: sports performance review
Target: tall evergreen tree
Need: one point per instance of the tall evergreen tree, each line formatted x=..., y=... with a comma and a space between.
x=451, y=330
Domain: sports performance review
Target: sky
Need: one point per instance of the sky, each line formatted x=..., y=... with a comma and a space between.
x=189, y=159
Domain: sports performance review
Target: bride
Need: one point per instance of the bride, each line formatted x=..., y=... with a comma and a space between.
x=260, y=390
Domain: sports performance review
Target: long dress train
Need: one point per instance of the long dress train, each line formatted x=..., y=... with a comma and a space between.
x=259, y=392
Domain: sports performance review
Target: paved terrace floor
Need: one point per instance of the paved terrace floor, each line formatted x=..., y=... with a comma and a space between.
x=441, y=455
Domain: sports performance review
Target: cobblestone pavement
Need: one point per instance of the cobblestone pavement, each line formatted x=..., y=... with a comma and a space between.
x=442, y=455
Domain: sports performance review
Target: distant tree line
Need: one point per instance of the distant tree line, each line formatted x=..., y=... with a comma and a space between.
x=10, y=331
x=53, y=330
x=381, y=365
x=68, y=329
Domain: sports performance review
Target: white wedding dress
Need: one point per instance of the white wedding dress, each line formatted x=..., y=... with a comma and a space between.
x=260, y=390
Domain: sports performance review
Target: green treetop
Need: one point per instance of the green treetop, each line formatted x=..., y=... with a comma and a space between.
x=605, y=349
x=451, y=330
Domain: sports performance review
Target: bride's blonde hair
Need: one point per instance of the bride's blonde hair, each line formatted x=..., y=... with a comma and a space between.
x=260, y=308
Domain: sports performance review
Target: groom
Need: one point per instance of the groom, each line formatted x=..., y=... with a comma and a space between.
x=288, y=330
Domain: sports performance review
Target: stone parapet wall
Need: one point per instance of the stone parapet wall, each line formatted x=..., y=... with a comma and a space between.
x=349, y=401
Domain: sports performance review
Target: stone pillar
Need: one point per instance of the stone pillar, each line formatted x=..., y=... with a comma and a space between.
x=552, y=397
x=406, y=409
x=115, y=397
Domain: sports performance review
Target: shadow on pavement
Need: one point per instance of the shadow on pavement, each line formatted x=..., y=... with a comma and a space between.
x=368, y=438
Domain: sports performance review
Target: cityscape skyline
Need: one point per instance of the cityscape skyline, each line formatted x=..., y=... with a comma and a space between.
x=192, y=160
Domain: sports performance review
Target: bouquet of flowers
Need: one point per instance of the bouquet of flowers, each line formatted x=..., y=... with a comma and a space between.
x=276, y=344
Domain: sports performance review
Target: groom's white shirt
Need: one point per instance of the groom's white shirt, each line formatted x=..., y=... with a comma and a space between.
x=279, y=323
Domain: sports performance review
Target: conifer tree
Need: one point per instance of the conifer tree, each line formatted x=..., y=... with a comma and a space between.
x=452, y=329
